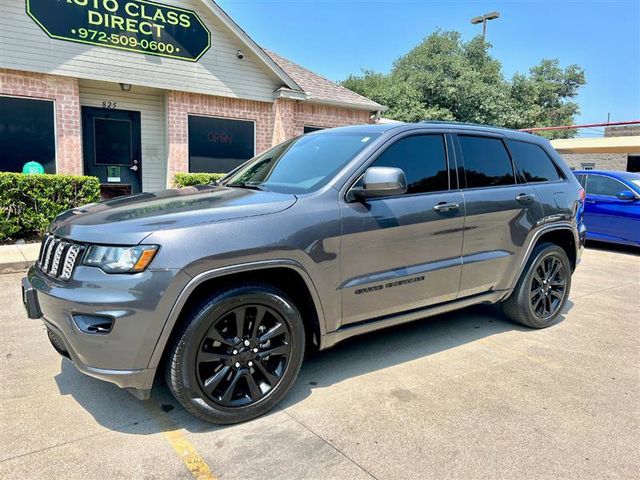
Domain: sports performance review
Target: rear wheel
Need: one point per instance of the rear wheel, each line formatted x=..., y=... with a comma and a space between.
x=237, y=355
x=543, y=288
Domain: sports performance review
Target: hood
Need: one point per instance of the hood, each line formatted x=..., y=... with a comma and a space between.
x=128, y=220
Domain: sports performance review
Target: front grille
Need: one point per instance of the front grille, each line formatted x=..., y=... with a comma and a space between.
x=57, y=257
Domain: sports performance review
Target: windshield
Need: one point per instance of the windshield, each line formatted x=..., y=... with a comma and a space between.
x=300, y=165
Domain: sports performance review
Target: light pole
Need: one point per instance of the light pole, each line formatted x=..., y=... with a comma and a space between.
x=483, y=19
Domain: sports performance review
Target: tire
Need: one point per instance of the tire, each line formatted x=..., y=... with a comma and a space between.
x=258, y=357
x=540, y=294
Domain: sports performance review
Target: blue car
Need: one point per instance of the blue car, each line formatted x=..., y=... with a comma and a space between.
x=612, y=206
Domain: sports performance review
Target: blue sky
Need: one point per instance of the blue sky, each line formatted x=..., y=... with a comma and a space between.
x=336, y=38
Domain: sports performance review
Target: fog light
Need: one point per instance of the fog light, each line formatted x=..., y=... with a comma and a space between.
x=93, y=324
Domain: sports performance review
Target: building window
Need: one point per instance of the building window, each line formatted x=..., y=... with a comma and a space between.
x=633, y=163
x=309, y=129
x=27, y=134
x=588, y=166
x=218, y=145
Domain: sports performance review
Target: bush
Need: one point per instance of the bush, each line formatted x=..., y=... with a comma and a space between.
x=189, y=179
x=29, y=203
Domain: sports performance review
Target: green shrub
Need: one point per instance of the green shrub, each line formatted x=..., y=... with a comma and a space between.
x=29, y=203
x=189, y=179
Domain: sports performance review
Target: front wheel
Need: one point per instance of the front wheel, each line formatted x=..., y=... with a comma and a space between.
x=237, y=354
x=543, y=288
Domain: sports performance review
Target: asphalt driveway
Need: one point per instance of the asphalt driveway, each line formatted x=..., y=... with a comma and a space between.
x=465, y=395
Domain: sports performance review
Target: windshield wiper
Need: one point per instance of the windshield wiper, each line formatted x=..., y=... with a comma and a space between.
x=248, y=185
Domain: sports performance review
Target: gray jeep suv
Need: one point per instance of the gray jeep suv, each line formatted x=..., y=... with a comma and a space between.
x=222, y=288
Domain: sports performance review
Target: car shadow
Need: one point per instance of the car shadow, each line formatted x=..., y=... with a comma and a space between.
x=117, y=410
x=612, y=247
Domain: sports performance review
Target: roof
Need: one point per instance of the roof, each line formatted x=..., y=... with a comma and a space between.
x=629, y=144
x=322, y=90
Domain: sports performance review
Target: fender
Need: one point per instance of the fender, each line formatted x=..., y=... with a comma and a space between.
x=224, y=271
x=534, y=239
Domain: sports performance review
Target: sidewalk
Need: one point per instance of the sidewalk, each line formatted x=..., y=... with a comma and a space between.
x=18, y=258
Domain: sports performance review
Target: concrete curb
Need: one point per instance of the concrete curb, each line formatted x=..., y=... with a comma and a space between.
x=14, y=267
x=18, y=258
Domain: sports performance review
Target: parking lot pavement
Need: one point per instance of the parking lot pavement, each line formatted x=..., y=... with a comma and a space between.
x=465, y=395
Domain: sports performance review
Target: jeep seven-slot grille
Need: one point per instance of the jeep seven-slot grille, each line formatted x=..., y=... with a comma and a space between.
x=58, y=258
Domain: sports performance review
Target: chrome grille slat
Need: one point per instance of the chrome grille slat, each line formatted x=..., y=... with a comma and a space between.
x=58, y=258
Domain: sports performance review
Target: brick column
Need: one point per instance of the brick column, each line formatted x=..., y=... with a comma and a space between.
x=65, y=92
x=284, y=111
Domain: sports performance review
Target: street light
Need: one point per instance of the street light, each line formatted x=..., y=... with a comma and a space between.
x=483, y=20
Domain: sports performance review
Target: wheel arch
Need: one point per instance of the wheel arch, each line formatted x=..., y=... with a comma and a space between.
x=287, y=275
x=561, y=234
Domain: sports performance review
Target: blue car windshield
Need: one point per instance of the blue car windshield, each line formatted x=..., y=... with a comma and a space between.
x=302, y=164
x=632, y=179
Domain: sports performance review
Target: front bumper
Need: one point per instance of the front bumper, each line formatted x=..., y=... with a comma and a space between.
x=139, y=305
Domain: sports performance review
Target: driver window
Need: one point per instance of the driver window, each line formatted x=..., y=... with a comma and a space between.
x=606, y=186
x=423, y=159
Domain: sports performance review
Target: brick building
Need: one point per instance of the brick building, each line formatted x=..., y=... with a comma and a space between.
x=133, y=91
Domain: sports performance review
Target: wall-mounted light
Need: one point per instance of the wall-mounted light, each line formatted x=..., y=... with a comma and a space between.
x=125, y=87
x=239, y=54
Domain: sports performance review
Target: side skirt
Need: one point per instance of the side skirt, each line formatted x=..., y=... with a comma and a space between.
x=348, y=331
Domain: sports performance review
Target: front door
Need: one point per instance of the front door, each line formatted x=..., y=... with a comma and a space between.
x=606, y=216
x=112, y=149
x=403, y=252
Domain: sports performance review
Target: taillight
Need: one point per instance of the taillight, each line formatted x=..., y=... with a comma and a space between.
x=582, y=194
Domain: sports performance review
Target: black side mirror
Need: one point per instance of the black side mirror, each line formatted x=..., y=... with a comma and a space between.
x=626, y=195
x=381, y=182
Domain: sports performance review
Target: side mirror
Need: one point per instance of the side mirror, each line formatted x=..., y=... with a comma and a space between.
x=626, y=195
x=381, y=182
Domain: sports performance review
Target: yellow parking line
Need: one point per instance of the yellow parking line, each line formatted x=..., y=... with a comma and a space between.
x=185, y=450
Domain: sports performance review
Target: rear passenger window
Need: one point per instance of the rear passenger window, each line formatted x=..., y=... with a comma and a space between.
x=582, y=179
x=532, y=162
x=486, y=162
x=609, y=187
x=422, y=158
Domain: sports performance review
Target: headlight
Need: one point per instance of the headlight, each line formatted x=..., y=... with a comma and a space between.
x=120, y=259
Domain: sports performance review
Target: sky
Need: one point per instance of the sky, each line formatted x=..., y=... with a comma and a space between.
x=335, y=38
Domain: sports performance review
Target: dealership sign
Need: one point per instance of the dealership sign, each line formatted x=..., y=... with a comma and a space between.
x=135, y=25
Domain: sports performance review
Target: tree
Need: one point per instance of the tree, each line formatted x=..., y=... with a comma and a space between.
x=446, y=78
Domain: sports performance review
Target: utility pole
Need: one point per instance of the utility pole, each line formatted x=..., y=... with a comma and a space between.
x=483, y=19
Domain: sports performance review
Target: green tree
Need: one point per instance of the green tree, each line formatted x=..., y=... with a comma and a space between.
x=446, y=78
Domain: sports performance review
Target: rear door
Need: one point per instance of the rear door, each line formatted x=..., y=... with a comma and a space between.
x=500, y=213
x=606, y=216
x=403, y=252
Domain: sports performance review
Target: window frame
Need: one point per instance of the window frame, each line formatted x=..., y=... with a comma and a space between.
x=588, y=177
x=450, y=160
x=55, y=122
x=218, y=117
x=462, y=169
x=562, y=177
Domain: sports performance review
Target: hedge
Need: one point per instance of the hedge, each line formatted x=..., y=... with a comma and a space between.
x=189, y=179
x=29, y=203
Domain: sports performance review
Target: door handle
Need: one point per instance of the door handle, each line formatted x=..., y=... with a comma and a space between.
x=446, y=207
x=134, y=168
x=525, y=197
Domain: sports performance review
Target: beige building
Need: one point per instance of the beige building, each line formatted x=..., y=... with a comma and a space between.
x=133, y=91
x=618, y=150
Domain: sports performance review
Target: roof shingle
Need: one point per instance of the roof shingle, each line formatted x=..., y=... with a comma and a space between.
x=321, y=89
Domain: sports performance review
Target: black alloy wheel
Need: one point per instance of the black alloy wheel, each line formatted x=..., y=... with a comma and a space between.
x=243, y=355
x=543, y=288
x=236, y=354
x=548, y=286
